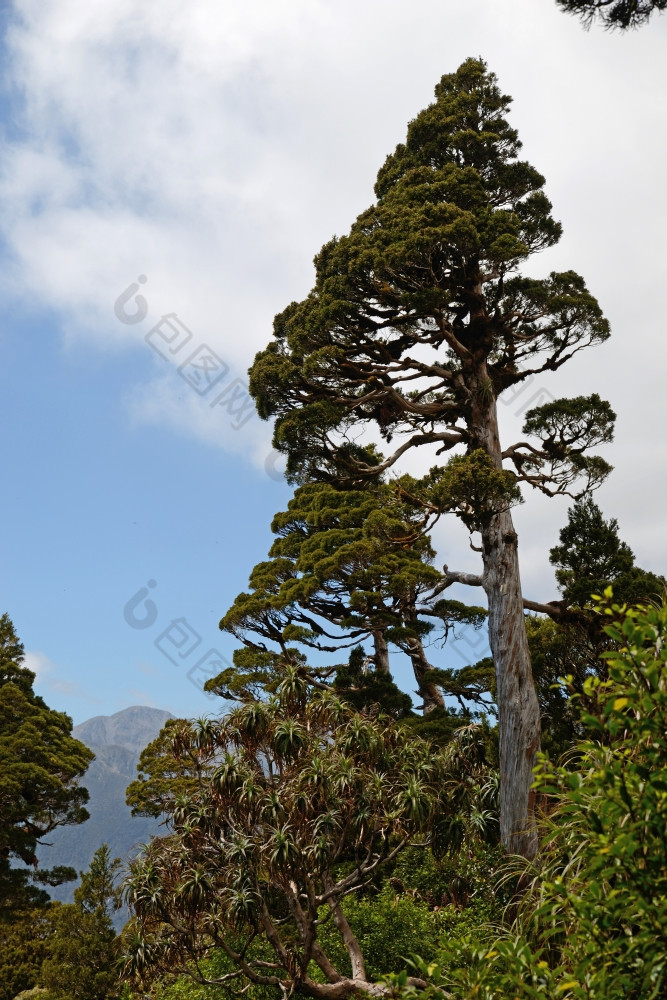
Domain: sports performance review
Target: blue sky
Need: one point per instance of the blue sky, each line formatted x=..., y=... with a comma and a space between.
x=212, y=148
x=100, y=508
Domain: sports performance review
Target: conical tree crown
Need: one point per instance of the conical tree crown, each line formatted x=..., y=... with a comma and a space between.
x=592, y=556
x=11, y=658
x=418, y=318
x=99, y=890
x=465, y=137
x=452, y=199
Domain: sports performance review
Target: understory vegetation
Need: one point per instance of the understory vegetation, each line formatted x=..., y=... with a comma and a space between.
x=449, y=915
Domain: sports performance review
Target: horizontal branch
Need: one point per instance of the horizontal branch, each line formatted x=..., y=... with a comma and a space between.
x=448, y=440
x=559, y=611
x=469, y=579
x=554, y=609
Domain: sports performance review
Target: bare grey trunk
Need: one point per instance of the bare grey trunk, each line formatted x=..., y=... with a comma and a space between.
x=518, y=708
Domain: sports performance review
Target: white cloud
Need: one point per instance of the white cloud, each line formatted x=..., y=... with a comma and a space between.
x=225, y=417
x=39, y=663
x=49, y=677
x=214, y=147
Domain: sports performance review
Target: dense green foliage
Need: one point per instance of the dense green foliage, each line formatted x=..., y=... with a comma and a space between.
x=593, y=923
x=613, y=13
x=365, y=688
x=430, y=266
x=23, y=940
x=348, y=566
x=591, y=557
x=416, y=899
x=162, y=776
x=40, y=766
x=82, y=949
x=300, y=802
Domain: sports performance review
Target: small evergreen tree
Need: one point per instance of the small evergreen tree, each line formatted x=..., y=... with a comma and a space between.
x=347, y=565
x=365, y=688
x=591, y=557
x=40, y=767
x=82, y=951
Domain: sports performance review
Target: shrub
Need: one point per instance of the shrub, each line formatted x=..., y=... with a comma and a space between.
x=593, y=922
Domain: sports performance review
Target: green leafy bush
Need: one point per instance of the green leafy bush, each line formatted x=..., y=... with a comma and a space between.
x=186, y=988
x=388, y=927
x=593, y=922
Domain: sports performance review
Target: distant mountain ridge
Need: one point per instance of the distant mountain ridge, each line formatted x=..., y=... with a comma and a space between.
x=117, y=741
x=133, y=728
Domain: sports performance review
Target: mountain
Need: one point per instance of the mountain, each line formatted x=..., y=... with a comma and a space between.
x=133, y=728
x=117, y=741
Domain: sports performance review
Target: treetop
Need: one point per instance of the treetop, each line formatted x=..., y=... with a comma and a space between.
x=419, y=317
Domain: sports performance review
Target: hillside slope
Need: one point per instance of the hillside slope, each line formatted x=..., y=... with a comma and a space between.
x=116, y=740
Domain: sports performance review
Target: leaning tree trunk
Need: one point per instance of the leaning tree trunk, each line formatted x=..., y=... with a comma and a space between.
x=427, y=690
x=518, y=708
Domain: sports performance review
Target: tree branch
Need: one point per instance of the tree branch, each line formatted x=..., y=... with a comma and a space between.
x=347, y=934
x=469, y=579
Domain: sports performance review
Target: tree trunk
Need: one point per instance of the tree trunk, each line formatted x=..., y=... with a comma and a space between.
x=428, y=691
x=518, y=708
x=347, y=934
x=381, y=652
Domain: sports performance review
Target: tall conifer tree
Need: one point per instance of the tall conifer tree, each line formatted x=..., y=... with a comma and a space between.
x=417, y=323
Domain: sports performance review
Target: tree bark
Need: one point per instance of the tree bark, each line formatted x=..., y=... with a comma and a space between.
x=381, y=652
x=428, y=691
x=349, y=940
x=342, y=990
x=518, y=708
